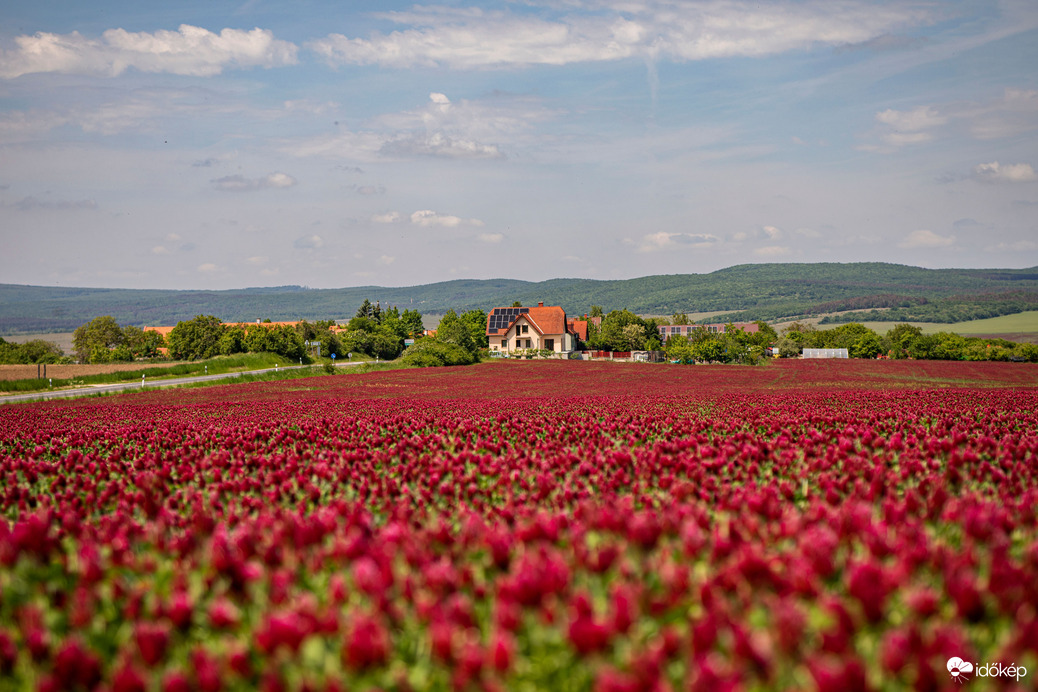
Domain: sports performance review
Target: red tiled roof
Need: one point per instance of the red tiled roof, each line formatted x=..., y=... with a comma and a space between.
x=545, y=319
x=578, y=327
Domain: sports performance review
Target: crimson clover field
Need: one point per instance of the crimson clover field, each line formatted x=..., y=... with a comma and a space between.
x=829, y=525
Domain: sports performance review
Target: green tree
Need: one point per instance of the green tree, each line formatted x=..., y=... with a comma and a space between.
x=788, y=348
x=765, y=335
x=120, y=354
x=385, y=345
x=900, y=339
x=679, y=318
x=433, y=353
x=285, y=341
x=257, y=340
x=678, y=348
x=362, y=323
x=633, y=337
x=99, y=333
x=708, y=350
x=357, y=341
x=369, y=311
x=923, y=347
x=142, y=343
x=412, y=321
x=232, y=341
x=196, y=338
x=32, y=351
x=866, y=346
x=40, y=351
x=735, y=346
x=452, y=330
x=612, y=335
x=476, y=321
x=950, y=347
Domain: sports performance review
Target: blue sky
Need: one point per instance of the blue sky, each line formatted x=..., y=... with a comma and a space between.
x=328, y=144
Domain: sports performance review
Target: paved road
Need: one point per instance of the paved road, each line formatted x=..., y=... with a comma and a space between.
x=91, y=390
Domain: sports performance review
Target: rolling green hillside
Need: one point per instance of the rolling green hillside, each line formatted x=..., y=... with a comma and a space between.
x=749, y=291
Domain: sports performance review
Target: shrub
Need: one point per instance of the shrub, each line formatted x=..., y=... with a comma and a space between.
x=428, y=353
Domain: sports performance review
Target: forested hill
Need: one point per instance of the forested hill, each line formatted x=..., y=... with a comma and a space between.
x=748, y=291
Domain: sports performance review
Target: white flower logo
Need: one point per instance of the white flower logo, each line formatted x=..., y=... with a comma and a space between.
x=958, y=669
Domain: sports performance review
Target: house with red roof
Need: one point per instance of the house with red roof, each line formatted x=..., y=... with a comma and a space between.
x=534, y=328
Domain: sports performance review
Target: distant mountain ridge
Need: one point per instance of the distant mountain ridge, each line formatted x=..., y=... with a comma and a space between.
x=747, y=291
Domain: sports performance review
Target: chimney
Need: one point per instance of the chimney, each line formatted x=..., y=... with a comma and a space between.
x=540, y=304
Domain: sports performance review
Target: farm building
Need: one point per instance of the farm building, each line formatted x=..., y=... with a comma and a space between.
x=826, y=353
x=669, y=330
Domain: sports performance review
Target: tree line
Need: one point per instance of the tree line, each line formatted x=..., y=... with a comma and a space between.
x=31, y=352
x=375, y=331
x=387, y=333
x=901, y=341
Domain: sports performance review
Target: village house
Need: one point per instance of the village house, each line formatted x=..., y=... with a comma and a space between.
x=668, y=330
x=533, y=329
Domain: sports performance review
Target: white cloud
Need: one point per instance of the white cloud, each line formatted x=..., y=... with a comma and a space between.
x=160, y=250
x=473, y=38
x=772, y=232
x=386, y=260
x=309, y=242
x=190, y=51
x=239, y=183
x=257, y=261
x=921, y=118
x=925, y=239
x=1004, y=173
x=902, y=128
x=1014, y=113
x=439, y=128
x=389, y=217
x=441, y=145
x=208, y=268
x=663, y=240
x=491, y=238
x=278, y=180
x=427, y=217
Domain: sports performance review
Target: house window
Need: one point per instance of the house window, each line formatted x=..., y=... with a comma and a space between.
x=526, y=329
x=527, y=343
x=504, y=343
x=549, y=344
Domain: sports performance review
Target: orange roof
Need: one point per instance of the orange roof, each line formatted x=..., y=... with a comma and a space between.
x=578, y=327
x=544, y=319
x=550, y=320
